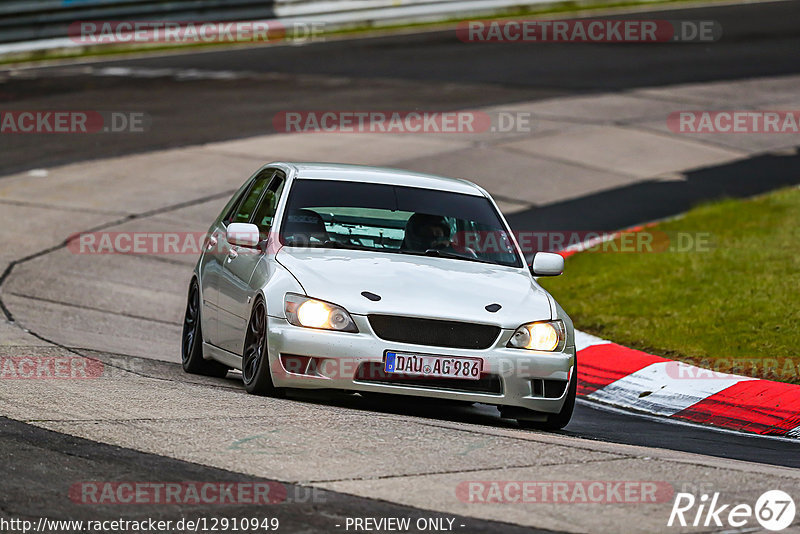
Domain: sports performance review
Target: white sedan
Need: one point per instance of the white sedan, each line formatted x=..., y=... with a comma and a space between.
x=378, y=280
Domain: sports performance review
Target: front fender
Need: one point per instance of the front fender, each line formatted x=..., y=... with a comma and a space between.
x=274, y=281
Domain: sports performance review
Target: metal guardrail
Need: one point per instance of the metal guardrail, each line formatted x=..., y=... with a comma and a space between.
x=31, y=20
x=28, y=26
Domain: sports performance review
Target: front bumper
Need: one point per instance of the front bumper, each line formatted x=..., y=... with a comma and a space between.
x=338, y=356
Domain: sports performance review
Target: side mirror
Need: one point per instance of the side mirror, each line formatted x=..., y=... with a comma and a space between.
x=547, y=264
x=243, y=235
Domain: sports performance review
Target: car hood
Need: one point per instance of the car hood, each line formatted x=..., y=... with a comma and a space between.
x=418, y=286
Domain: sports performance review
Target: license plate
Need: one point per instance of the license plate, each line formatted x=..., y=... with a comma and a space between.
x=430, y=366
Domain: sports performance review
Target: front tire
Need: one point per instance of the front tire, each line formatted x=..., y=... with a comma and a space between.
x=192, y=340
x=557, y=421
x=256, y=374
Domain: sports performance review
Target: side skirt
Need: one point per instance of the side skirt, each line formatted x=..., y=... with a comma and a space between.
x=223, y=356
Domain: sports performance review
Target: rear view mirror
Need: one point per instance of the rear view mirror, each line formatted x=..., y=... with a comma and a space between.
x=243, y=235
x=547, y=264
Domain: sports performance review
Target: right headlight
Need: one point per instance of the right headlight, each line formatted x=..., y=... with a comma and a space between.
x=313, y=313
x=549, y=336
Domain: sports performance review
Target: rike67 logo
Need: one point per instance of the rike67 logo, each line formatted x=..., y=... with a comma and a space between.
x=774, y=510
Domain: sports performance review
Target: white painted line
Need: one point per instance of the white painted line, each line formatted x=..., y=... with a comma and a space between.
x=181, y=74
x=584, y=340
x=664, y=388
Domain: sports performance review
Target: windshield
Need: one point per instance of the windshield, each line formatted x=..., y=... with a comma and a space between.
x=396, y=219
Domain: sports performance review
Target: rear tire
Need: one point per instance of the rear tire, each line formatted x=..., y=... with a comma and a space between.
x=256, y=373
x=192, y=340
x=557, y=421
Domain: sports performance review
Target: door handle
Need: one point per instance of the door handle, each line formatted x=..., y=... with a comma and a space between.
x=212, y=242
x=232, y=255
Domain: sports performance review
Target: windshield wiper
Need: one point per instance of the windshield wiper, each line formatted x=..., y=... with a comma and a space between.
x=347, y=246
x=432, y=252
x=439, y=253
x=324, y=244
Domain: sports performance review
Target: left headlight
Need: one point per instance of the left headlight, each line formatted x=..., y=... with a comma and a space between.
x=550, y=336
x=313, y=313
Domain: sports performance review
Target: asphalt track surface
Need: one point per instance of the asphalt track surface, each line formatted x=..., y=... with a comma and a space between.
x=429, y=71
x=426, y=71
x=29, y=447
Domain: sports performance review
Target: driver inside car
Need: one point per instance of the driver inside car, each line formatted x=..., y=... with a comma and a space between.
x=424, y=232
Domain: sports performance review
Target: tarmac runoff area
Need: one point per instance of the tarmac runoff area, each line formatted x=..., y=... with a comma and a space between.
x=126, y=311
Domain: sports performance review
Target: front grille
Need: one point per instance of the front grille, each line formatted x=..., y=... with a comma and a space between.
x=374, y=373
x=433, y=332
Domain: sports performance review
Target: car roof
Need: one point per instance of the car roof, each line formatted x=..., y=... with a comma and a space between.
x=382, y=175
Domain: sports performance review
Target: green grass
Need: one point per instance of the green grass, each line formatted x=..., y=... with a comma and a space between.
x=740, y=299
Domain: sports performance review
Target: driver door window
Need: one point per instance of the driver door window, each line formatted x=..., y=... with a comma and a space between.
x=265, y=214
x=244, y=210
